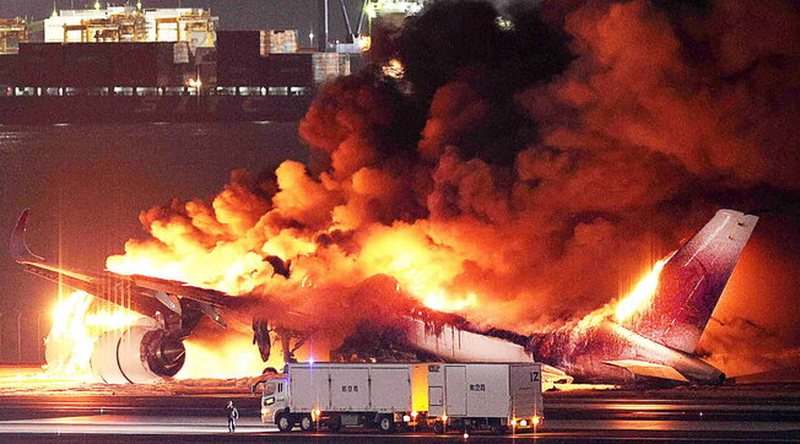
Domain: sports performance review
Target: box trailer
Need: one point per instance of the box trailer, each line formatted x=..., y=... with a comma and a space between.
x=336, y=395
x=497, y=397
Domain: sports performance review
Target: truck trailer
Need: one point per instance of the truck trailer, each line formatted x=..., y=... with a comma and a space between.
x=336, y=395
x=497, y=397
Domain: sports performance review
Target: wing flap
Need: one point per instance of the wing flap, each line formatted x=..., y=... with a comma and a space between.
x=649, y=369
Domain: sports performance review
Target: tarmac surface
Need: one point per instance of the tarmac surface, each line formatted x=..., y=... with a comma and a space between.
x=763, y=413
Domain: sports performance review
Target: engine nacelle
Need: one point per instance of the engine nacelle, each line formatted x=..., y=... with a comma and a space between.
x=139, y=354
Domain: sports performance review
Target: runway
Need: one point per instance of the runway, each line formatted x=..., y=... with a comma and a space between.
x=764, y=413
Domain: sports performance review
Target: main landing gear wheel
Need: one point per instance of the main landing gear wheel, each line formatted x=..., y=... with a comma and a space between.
x=284, y=424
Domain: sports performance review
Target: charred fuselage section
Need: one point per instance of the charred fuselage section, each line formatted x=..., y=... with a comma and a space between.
x=602, y=352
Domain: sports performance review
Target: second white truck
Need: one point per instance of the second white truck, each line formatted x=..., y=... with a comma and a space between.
x=495, y=397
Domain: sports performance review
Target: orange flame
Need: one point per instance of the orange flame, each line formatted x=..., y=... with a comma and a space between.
x=406, y=253
x=236, y=357
x=642, y=294
x=76, y=326
x=78, y=323
x=635, y=301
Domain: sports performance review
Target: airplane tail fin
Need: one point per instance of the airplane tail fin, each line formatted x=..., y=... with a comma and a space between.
x=18, y=247
x=692, y=282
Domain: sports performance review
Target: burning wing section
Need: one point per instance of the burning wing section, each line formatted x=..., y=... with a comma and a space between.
x=152, y=347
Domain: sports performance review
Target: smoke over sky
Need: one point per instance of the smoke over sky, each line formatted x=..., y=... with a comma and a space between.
x=524, y=172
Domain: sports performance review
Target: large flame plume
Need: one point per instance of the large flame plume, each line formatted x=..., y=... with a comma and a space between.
x=77, y=322
x=642, y=294
x=632, y=303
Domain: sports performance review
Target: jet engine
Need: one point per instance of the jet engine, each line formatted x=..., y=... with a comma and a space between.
x=140, y=354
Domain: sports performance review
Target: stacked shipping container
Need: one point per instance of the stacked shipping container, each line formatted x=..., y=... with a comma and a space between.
x=94, y=65
x=242, y=62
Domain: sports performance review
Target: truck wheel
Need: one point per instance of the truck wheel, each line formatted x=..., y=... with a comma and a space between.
x=386, y=424
x=306, y=424
x=497, y=429
x=438, y=427
x=284, y=423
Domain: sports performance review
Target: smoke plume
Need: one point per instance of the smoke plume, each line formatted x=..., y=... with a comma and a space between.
x=528, y=167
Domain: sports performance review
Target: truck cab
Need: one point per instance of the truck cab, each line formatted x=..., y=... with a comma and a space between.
x=274, y=399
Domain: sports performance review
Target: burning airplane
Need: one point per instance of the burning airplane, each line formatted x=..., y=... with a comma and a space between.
x=514, y=177
x=650, y=333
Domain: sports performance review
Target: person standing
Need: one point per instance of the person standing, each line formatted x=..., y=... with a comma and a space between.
x=233, y=415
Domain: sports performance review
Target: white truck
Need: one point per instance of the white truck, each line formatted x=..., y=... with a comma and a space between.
x=498, y=397
x=336, y=395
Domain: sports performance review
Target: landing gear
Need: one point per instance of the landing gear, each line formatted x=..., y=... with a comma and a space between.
x=439, y=427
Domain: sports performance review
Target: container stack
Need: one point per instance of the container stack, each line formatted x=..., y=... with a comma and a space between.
x=278, y=41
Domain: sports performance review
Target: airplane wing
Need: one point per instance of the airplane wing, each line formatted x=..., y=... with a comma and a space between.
x=173, y=308
x=649, y=369
x=143, y=294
